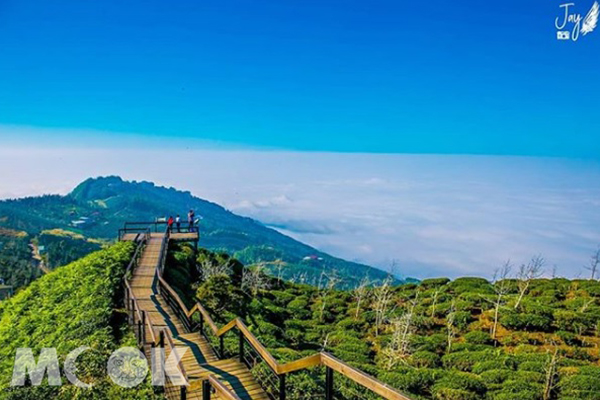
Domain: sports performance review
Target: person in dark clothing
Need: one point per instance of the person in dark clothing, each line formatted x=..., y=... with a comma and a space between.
x=170, y=224
x=191, y=216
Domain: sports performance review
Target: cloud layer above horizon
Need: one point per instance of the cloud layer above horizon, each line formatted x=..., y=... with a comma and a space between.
x=432, y=215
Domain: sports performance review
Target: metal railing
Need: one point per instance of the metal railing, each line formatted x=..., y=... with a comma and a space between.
x=156, y=227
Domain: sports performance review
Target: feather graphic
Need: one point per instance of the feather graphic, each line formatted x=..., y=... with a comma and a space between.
x=591, y=19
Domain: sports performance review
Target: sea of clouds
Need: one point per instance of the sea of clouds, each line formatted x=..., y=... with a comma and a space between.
x=429, y=215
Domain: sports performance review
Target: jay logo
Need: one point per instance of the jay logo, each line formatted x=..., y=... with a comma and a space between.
x=569, y=25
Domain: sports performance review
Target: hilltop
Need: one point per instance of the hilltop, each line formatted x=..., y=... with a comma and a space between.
x=98, y=207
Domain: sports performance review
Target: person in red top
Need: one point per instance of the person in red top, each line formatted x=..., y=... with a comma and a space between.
x=170, y=223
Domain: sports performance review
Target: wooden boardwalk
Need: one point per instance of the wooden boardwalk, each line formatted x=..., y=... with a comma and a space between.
x=200, y=361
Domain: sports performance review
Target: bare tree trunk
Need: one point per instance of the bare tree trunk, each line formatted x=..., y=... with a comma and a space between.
x=550, y=376
x=521, y=294
x=435, y=296
x=501, y=288
x=359, y=294
x=594, y=262
x=450, y=326
x=496, y=312
x=526, y=274
x=383, y=298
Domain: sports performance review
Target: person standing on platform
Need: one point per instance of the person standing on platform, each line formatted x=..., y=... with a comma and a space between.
x=178, y=223
x=191, y=216
x=170, y=224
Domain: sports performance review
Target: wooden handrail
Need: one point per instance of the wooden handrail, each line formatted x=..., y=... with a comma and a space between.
x=136, y=307
x=321, y=358
x=151, y=329
x=222, y=390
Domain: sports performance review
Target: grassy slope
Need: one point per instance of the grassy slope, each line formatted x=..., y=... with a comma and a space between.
x=71, y=307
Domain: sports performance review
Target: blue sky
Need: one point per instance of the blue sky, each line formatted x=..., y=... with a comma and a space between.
x=107, y=87
x=376, y=76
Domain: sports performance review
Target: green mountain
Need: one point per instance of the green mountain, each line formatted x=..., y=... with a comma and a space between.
x=97, y=208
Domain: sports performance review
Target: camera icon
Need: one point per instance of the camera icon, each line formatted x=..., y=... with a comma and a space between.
x=563, y=35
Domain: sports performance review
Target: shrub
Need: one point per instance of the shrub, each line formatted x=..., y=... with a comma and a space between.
x=478, y=337
x=496, y=376
x=472, y=285
x=532, y=366
x=462, y=319
x=418, y=381
x=458, y=347
x=574, y=321
x=454, y=394
x=520, y=389
x=568, y=338
x=526, y=322
x=425, y=359
x=435, y=343
x=529, y=376
x=463, y=381
x=434, y=282
x=464, y=360
x=497, y=363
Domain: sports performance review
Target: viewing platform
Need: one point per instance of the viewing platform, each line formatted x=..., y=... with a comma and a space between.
x=132, y=231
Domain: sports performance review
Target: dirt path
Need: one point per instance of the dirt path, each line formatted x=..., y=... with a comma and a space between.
x=35, y=254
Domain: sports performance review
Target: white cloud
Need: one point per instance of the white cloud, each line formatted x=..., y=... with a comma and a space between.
x=436, y=215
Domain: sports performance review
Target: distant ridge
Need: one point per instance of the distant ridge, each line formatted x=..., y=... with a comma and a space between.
x=98, y=207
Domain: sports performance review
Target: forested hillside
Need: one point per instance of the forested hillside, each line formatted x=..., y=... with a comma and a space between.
x=465, y=339
x=16, y=266
x=97, y=208
x=76, y=305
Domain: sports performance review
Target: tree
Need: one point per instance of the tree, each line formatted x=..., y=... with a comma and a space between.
x=254, y=280
x=329, y=283
x=279, y=263
x=594, y=262
x=359, y=293
x=526, y=274
x=501, y=287
x=434, y=302
x=450, y=329
x=209, y=267
x=383, y=298
x=402, y=330
x=551, y=375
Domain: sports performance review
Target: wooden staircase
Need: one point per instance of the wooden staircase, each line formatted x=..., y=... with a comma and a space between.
x=161, y=319
x=200, y=360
